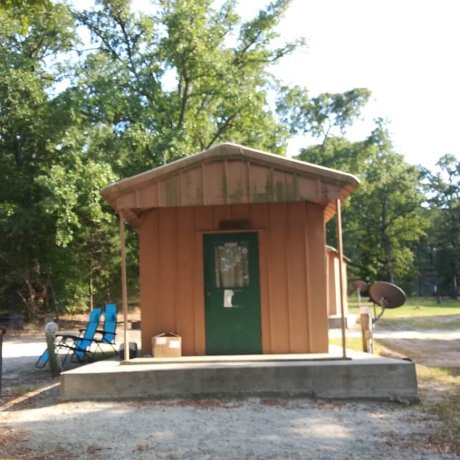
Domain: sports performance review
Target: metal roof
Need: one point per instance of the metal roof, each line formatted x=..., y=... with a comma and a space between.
x=229, y=174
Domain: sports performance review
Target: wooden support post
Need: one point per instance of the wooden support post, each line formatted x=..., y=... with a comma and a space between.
x=366, y=329
x=52, y=358
x=124, y=286
x=341, y=269
x=50, y=332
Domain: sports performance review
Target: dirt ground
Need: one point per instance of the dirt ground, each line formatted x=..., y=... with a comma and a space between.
x=35, y=425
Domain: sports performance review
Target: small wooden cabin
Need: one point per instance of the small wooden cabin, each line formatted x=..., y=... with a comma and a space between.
x=232, y=250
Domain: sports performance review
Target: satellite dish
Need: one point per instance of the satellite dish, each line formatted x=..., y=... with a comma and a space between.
x=387, y=295
x=360, y=285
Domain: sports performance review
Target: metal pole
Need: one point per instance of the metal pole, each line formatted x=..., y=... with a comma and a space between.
x=124, y=287
x=341, y=267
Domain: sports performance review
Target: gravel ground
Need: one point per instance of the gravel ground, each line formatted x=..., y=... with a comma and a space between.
x=211, y=429
x=34, y=425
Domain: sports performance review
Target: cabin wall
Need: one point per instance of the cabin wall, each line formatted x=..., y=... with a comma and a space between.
x=293, y=282
x=333, y=281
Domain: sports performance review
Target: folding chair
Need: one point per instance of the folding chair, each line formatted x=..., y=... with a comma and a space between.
x=108, y=332
x=79, y=346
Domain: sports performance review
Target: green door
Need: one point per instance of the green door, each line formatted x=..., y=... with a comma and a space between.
x=232, y=294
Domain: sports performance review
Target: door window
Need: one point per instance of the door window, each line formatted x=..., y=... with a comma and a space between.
x=231, y=264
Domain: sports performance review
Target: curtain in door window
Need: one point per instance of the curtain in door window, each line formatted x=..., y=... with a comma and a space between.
x=231, y=265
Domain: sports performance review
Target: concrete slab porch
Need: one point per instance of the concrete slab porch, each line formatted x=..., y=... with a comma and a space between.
x=322, y=376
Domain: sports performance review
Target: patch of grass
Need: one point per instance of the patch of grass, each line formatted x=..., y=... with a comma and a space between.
x=447, y=412
x=414, y=307
x=444, y=322
x=444, y=375
x=429, y=302
x=446, y=408
x=355, y=344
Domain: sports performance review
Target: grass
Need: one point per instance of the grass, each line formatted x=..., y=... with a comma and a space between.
x=446, y=408
x=353, y=343
x=413, y=307
x=426, y=323
x=356, y=344
x=416, y=313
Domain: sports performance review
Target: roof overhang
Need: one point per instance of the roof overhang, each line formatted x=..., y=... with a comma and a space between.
x=229, y=174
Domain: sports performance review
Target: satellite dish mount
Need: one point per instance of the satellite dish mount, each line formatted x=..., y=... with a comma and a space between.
x=385, y=295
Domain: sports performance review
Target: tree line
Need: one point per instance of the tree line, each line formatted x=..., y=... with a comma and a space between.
x=88, y=97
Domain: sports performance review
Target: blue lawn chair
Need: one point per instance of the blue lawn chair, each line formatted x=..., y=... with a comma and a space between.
x=108, y=333
x=42, y=359
x=79, y=346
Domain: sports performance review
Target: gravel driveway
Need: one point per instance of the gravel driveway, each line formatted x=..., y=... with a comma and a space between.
x=36, y=426
x=211, y=429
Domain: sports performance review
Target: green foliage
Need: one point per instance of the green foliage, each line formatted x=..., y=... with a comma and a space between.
x=388, y=203
x=22, y=9
x=320, y=116
x=445, y=214
x=27, y=246
x=339, y=153
x=152, y=88
x=181, y=80
x=383, y=219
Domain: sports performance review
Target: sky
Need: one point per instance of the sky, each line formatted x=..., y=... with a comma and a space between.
x=406, y=52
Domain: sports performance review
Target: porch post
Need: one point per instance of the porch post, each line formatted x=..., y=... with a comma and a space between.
x=341, y=267
x=124, y=287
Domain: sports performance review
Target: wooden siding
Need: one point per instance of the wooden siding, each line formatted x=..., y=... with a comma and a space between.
x=293, y=284
x=230, y=182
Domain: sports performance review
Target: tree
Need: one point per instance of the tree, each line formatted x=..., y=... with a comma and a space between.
x=180, y=80
x=386, y=212
x=445, y=206
x=153, y=89
x=25, y=133
x=322, y=116
x=386, y=221
x=383, y=218
x=85, y=232
x=22, y=9
x=339, y=153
